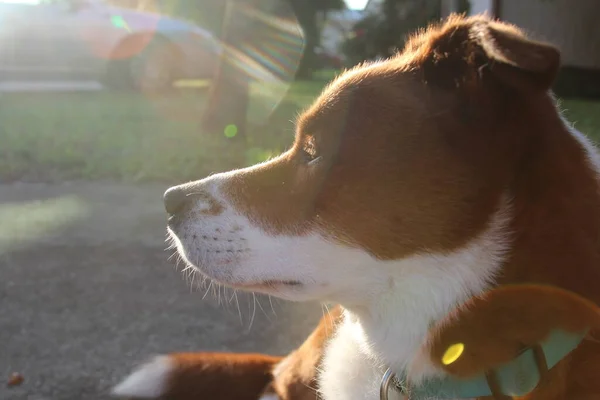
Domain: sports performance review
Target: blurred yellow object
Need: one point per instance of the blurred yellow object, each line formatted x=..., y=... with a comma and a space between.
x=453, y=353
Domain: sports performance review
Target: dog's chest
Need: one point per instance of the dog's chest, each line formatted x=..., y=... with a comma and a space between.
x=348, y=372
x=420, y=290
x=352, y=370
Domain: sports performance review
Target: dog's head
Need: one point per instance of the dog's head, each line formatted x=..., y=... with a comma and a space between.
x=394, y=158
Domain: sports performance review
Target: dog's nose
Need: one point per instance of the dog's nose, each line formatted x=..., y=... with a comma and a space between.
x=174, y=199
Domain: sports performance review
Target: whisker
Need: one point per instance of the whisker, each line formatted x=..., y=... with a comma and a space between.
x=207, y=289
x=326, y=313
x=253, y=311
x=271, y=303
x=194, y=274
x=263, y=310
x=238, y=306
x=214, y=290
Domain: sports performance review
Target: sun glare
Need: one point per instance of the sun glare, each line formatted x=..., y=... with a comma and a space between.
x=21, y=1
x=356, y=4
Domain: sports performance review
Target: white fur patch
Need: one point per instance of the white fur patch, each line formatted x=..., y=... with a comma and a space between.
x=148, y=380
x=389, y=330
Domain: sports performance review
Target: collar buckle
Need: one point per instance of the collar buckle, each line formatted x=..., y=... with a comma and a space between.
x=388, y=380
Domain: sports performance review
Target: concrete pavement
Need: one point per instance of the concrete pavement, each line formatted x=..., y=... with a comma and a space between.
x=87, y=292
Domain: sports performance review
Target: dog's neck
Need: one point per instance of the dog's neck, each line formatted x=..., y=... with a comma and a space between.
x=385, y=327
x=390, y=328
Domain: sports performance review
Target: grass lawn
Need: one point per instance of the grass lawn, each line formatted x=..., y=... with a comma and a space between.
x=126, y=136
x=585, y=115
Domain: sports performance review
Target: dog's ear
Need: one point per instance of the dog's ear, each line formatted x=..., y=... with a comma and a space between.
x=514, y=59
x=467, y=53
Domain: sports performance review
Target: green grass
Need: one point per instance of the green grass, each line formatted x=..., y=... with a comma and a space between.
x=126, y=136
x=585, y=115
x=129, y=137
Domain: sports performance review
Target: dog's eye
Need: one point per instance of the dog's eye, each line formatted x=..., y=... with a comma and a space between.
x=309, y=157
x=309, y=152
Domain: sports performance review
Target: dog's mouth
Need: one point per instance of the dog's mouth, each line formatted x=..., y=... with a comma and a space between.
x=268, y=284
x=214, y=269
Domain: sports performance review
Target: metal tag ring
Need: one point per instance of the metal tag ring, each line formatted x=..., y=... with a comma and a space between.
x=389, y=379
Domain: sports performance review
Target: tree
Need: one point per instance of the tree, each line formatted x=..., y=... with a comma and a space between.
x=382, y=33
x=307, y=12
x=239, y=25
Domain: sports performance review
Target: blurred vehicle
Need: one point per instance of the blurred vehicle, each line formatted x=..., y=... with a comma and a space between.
x=92, y=40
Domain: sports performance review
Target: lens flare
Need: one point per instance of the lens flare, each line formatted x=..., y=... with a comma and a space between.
x=231, y=131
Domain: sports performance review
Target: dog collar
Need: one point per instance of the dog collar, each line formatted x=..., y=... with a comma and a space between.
x=515, y=378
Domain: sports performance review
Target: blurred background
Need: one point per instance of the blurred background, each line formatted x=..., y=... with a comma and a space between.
x=106, y=103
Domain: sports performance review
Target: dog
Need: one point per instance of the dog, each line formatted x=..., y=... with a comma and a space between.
x=443, y=201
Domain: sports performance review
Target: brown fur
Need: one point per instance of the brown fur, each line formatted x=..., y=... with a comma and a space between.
x=417, y=152
x=219, y=376
x=433, y=172
x=238, y=376
x=295, y=378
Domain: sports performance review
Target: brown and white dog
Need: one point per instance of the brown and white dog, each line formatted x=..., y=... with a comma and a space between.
x=414, y=186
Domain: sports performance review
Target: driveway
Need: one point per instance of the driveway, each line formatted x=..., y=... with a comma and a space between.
x=87, y=292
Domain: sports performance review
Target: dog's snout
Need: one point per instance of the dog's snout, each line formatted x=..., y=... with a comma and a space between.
x=196, y=195
x=175, y=199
